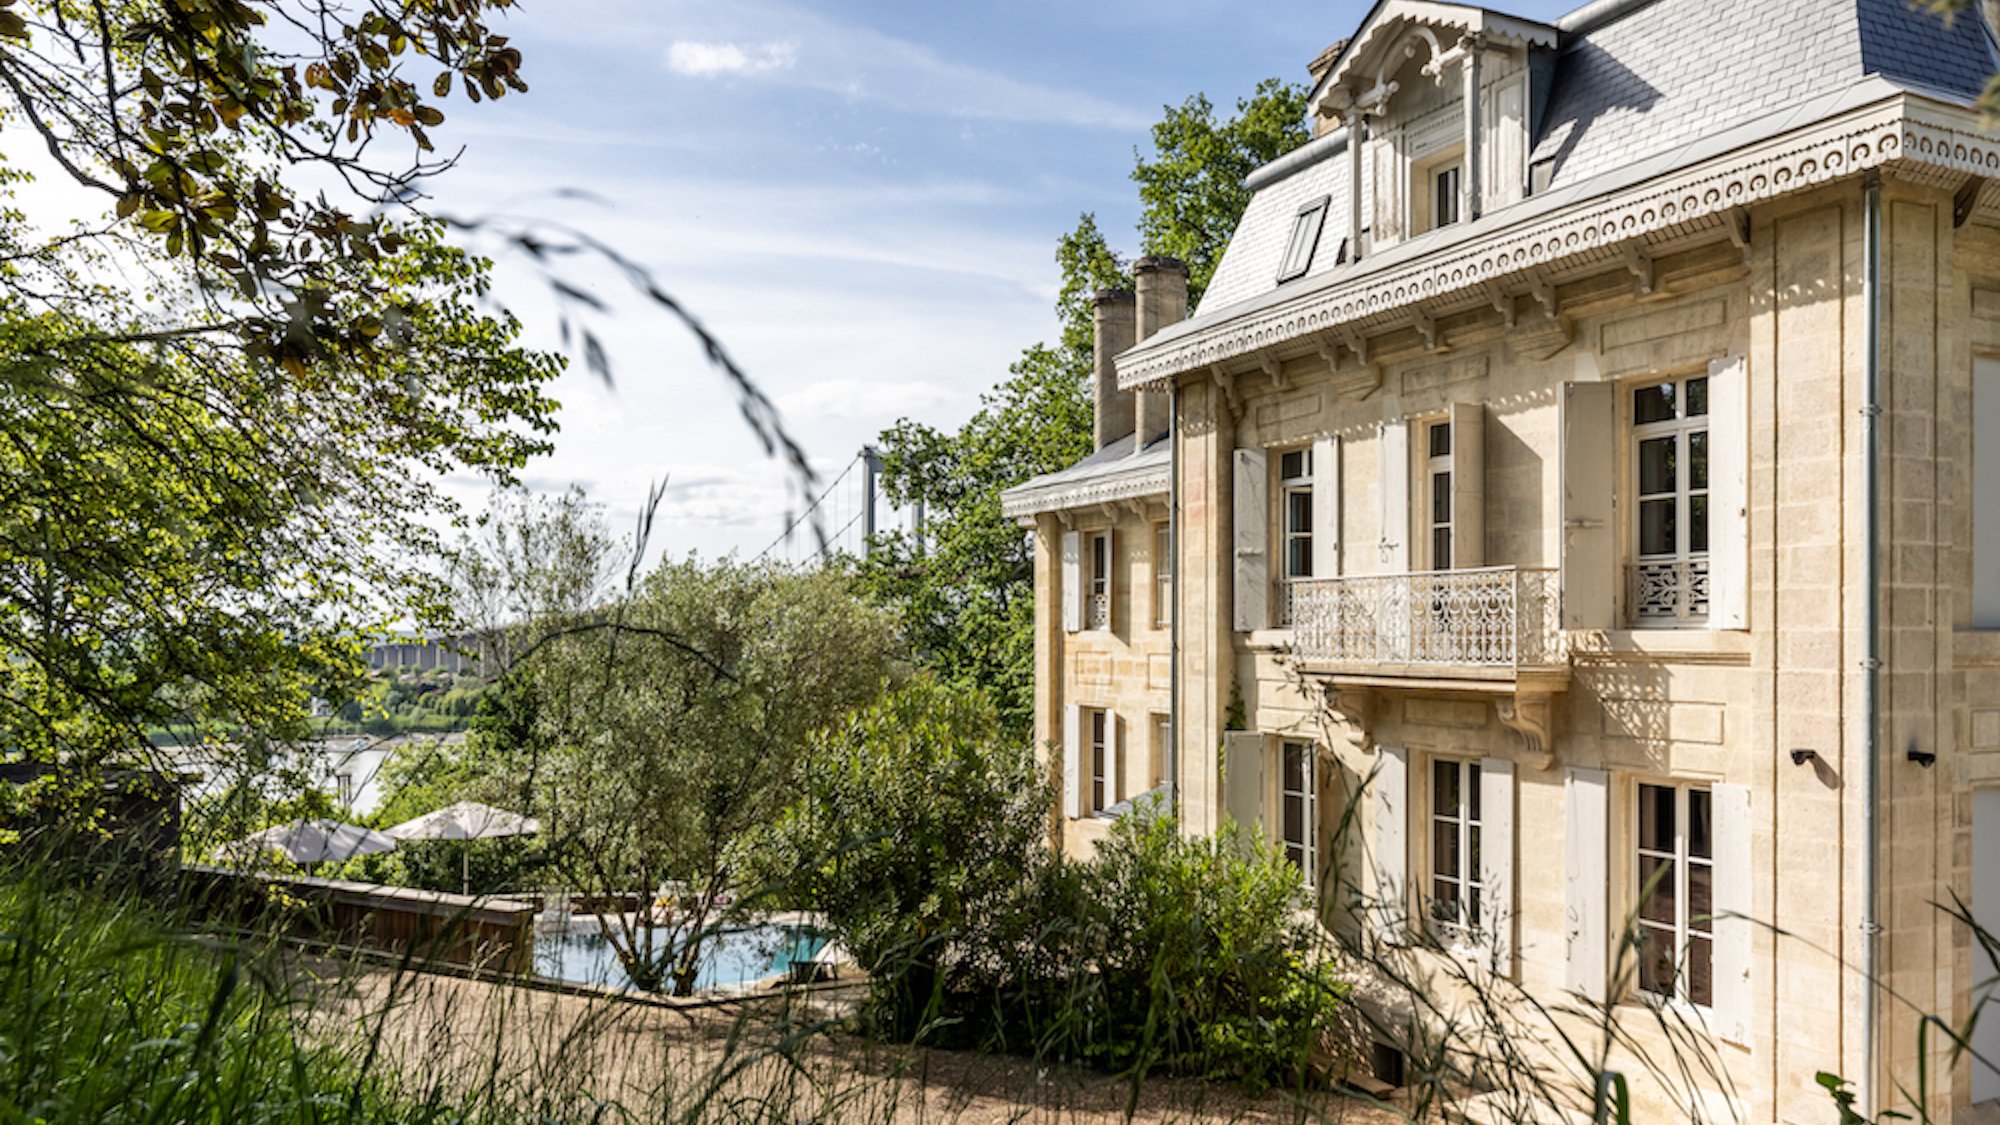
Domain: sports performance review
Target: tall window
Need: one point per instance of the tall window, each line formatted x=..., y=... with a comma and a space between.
x=1986, y=494
x=1445, y=187
x=1295, y=499
x=1437, y=487
x=1456, y=889
x=1298, y=807
x=1669, y=574
x=1163, y=740
x=1163, y=576
x=1676, y=877
x=1101, y=767
x=1099, y=609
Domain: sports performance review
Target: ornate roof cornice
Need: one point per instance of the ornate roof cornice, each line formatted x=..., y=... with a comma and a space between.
x=1032, y=499
x=1915, y=136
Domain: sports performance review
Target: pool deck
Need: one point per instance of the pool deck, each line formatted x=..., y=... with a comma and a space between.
x=564, y=1048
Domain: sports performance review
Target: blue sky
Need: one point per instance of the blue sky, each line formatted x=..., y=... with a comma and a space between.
x=861, y=199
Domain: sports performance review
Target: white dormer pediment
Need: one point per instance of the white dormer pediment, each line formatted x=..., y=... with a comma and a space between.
x=1366, y=74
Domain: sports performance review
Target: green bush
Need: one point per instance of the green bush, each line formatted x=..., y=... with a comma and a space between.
x=922, y=836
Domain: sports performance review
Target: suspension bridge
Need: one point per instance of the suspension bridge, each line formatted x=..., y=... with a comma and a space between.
x=847, y=517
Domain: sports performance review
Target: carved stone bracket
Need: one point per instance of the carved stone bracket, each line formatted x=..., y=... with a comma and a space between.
x=1645, y=281
x=1274, y=370
x=1227, y=382
x=1533, y=715
x=1359, y=707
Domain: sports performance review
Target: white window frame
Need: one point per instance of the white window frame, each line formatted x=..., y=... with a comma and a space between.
x=1686, y=924
x=1463, y=820
x=1102, y=775
x=1295, y=543
x=1434, y=472
x=1163, y=575
x=1668, y=589
x=1304, y=240
x=1163, y=738
x=1427, y=205
x=1304, y=851
x=1099, y=564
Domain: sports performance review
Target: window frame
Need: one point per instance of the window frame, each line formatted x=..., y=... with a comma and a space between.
x=1292, y=488
x=1682, y=930
x=1163, y=574
x=1466, y=819
x=1097, y=581
x=1103, y=771
x=1425, y=202
x=1162, y=732
x=1307, y=226
x=1435, y=470
x=1307, y=847
x=1690, y=567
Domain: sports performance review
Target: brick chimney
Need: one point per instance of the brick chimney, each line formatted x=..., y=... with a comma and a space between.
x=1112, y=328
x=1163, y=300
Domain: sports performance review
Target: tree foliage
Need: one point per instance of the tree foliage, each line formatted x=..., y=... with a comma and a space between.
x=967, y=592
x=653, y=736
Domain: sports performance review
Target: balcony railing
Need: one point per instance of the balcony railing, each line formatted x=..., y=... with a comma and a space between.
x=1667, y=590
x=1490, y=618
x=1100, y=611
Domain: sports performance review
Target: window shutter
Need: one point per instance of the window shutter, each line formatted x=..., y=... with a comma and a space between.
x=1394, y=490
x=1392, y=812
x=1114, y=783
x=1073, y=762
x=1496, y=858
x=1589, y=528
x=1586, y=839
x=1326, y=507
x=1468, y=485
x=1110, y=577
x=1728, y=495
x=1072, y=580
x=1243, y=778
x=1732, y=905
x=1253, y=569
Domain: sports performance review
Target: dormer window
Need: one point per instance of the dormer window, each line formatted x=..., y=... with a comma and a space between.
x=1437, y=189
x=1305, y=239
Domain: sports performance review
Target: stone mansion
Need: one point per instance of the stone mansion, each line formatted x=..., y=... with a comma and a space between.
x=1584, y=468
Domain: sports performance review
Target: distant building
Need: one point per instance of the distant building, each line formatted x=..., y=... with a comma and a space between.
x=1584, y=463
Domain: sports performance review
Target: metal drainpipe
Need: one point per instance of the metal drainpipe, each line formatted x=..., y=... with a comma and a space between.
x=1174, y=611
x=1871, y=410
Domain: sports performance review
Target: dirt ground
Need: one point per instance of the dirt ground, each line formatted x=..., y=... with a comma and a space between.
x=771, y=1060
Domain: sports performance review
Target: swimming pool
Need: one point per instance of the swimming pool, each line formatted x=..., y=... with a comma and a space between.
x=580, y=954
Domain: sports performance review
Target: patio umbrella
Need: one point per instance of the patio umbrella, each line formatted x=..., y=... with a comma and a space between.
x=308, y=842
x=466, y=820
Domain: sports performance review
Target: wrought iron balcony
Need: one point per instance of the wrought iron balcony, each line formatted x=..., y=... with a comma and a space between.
x=1667, y=591
x=1493, y=623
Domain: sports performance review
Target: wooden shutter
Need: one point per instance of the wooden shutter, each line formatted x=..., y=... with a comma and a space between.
x=1253, y=568
x=1732, y=905
x=1072, y=750
x=1110, y=578
x=1586, y=842
x=1243, y=778
x=1391, y=838
x=1116, y=774
x=1468, y=485
x=1589, y=527
x=1728, y=495
x=1072, y=580
x=1326, y=507
x=1496, y=858
x=1393, y=493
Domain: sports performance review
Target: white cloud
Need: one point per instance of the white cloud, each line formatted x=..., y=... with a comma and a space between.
x=869, y=399
x=706, y=60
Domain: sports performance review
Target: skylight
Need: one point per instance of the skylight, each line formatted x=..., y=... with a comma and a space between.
x=1305, y=238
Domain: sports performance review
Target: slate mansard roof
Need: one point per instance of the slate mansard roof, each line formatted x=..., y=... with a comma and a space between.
x=1638, y=89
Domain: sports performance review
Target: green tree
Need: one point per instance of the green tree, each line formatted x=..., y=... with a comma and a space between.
x=654, y=736
x=967, y=592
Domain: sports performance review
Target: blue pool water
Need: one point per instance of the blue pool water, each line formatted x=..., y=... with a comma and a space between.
x=582, y=956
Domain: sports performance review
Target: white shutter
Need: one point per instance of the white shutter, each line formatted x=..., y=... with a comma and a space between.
x=1589, y=528
x=1072, y=750
x=1253, y=570
x=1393, y=492
x=1110, y=577
x=1728, y=495
x=1072, y=580
x=1586, y=841
x=1732, y=906
x=1243, y=778
x=1391, y=833
x=1326, y=507
x=1496, y=858
x=1114, y=785
x=1468, y=485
